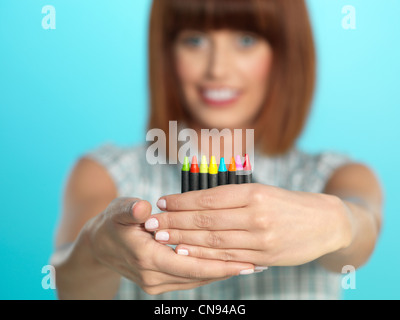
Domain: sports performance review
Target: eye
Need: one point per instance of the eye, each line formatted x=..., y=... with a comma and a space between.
x=194, y=41
x=246, y=40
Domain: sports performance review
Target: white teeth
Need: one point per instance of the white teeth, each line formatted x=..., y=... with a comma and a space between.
x=220, y=94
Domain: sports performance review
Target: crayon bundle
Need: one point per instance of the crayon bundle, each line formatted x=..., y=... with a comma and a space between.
x=195, y=177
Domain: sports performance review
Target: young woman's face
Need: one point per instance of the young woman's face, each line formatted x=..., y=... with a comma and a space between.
x=224, y=76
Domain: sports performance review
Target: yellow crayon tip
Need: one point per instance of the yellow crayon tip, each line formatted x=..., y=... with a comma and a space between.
x=213, y=168
x=203, y=165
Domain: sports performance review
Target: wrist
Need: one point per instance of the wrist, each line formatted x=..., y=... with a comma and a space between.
x=88, y=240
x=343, y=226
x=80, y=275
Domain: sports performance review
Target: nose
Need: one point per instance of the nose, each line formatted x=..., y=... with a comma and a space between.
x=219, y=61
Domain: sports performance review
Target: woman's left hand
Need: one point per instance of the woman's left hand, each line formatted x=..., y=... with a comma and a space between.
x=254, y=223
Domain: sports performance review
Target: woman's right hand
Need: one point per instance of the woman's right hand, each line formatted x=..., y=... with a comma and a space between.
x=119, y=241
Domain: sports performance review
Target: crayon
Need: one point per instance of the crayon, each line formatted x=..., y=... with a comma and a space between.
x=232, y=172
x=239, y=170
x=222, y=173
x=247, y=177
x=212, y=173
x=203, y=173
x=194, y=175
x=185, y=175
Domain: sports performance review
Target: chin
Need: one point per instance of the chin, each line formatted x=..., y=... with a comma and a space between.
x=220, y=124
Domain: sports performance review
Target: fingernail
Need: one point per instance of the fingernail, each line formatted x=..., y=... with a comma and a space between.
x=247, y=271
x=183, y=252
x=133, y=205
x=162, y=236
x=162, y=204
x=259, y=268
x=151, y=224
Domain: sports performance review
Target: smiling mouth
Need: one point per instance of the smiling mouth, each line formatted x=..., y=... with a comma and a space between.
x=219, y=97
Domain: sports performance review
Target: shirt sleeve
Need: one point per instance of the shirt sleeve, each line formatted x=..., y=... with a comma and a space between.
x=314, y=170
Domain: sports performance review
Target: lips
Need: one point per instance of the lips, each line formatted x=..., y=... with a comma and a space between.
x=219, y=96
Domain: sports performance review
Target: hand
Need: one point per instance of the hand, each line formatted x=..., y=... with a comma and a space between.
x=120, y=242
x=254, y=223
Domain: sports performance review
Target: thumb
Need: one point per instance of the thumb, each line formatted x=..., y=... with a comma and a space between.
x=130, y=211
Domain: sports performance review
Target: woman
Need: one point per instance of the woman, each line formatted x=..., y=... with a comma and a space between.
x=233, y=64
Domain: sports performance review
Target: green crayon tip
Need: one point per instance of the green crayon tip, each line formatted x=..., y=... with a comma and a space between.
x=186, y=165
x=203, y=165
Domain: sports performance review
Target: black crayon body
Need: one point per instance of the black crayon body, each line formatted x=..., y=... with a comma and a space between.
x=212, y=180
x=247, y=177
x=185, y=181
x=232, y=177
x=203, y=177
x=194, y=182
x=222, y=178
x=239, y=177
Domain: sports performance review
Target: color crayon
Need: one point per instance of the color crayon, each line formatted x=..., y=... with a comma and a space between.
x=203, y=173
x=247, y=177
x=222, y=173
x=194, y=175
x=239, y=170
x=185, y=175
x=212, y=173
x=232, y=172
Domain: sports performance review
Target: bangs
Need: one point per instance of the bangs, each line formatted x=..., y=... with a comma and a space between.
x=256, y=16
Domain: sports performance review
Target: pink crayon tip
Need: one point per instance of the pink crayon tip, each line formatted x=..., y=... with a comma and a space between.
x=239, y=165
x=247, y=164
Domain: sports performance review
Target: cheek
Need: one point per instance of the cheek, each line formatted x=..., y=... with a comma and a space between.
x=257, y=71
x=189, y=69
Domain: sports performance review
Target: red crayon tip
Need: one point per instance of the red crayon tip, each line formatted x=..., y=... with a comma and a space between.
x=194, y=168
x=247, y=164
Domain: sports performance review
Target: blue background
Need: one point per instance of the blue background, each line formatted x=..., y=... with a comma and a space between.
x=68, y=90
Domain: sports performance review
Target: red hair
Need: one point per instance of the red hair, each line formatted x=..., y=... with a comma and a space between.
x=284, y=24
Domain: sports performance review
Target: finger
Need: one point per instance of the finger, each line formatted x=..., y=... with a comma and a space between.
x=222, y=197
x=155, y=278
x=255, y=257
x=128, y=211
x=223, y=219
x=151, y=271
x=150, y=278
x=232, y=239
x=155, y=290
x=194, y=268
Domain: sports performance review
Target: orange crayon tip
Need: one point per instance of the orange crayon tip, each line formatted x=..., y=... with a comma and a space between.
x=232, y=166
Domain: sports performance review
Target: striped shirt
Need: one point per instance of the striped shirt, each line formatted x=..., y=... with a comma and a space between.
x=296, y=171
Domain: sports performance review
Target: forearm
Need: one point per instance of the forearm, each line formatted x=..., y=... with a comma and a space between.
x=79, y=275
x=365, y=225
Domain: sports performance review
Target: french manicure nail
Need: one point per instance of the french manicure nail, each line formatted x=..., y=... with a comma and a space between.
x=259, y=268
x=183, y=252
x=151, y=224
x=247, y=271
x=162, y=204
x=133, y=204
x=162, y=236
